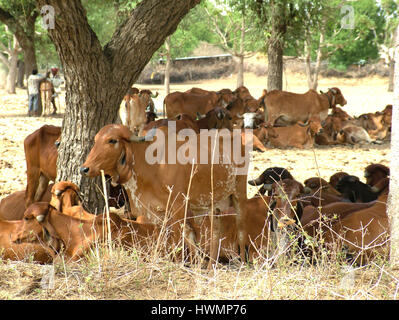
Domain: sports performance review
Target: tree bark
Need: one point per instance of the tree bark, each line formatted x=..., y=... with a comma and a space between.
x=21, y=74
x=167, y=66
x=97, y=78
x=312, y=74
x=276, y=47
x=391, y=75
x=275, y=66
x=12, y=70
x=393, y=198
x=240, y=72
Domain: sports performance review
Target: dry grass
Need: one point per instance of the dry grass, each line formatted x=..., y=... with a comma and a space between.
x=130, y=274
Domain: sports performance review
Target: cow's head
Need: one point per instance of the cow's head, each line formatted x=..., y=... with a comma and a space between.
x=65, y=194
x=368, y=121
x=242, y=93
x=337, y=97
x=270, y=176
x=219, y=118
x=314, y=126
x=251, y=105
x=226, y=96
x=112, y=153
x=252, y=119
x=288, y=207
x=336, y=177
x=375, y=172
x=314, y=184
x=31, y=230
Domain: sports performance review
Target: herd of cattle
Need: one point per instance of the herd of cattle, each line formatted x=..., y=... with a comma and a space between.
x=204, y=207
x=290, y=120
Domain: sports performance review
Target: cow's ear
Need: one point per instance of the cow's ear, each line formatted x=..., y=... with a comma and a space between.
x=299, y=211
x=125, y=162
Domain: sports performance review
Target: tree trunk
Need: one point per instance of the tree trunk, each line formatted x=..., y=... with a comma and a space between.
x=167, y=67
x=24, y=31
x=240, y=71
x=391, y=74
x=29, y=56
x=276, y=46
x=393, y=198
x=21, y=74
x=313, y=74
x=12, y=70
x=308, y=64
x=97, y=78
x=275, y=66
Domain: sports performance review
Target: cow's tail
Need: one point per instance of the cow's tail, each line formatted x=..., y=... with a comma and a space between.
x=164, y=109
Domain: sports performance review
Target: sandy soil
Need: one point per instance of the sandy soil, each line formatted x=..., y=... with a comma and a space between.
x=363, y=95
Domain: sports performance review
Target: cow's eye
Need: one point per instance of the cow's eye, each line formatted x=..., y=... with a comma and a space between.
x=113, y=141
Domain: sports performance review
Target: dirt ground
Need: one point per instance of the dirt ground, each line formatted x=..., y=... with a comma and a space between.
x=363, y=95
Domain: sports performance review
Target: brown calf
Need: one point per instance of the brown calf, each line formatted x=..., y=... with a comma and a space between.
x=78, y=235
x=41, y=161
x=298, y=136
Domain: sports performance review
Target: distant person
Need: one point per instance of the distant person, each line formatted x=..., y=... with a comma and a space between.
x=57, y=81
x=33, y=92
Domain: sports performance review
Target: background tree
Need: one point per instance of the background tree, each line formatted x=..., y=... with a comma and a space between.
x=98, y=76
x=9, y=55
x=20, y=17
x=234, y=27
x=389, y=35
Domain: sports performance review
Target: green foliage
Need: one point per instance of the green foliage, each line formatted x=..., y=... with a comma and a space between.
x=360, y=43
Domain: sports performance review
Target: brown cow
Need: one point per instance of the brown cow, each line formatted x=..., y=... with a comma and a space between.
x=123, y=157
x=226, y=95
x=257, y=224
x=268, y=177
x=41, y=164
x=353, y=134
x=136, y=105
x=375, y=125
x=287, y=195
x=65, y=198
x=365, y=232
x=12, y=207
x=181, y=121
x=289, y=108
x=41, y=161
x=300, y=135
x=336, y=177
x=13, y=249
x=240, y=106
x=313, y=217
x=78, y=235
x=217, y=118
x=316, y=183
x=375, y=172
x=198, y=101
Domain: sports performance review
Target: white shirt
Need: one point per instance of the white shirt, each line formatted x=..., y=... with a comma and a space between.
x=33, y=83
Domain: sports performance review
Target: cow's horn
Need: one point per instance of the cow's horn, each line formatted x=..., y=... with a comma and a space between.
x=256, y=182
x=135, y=138
x=154, y=96
x=303, y=124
